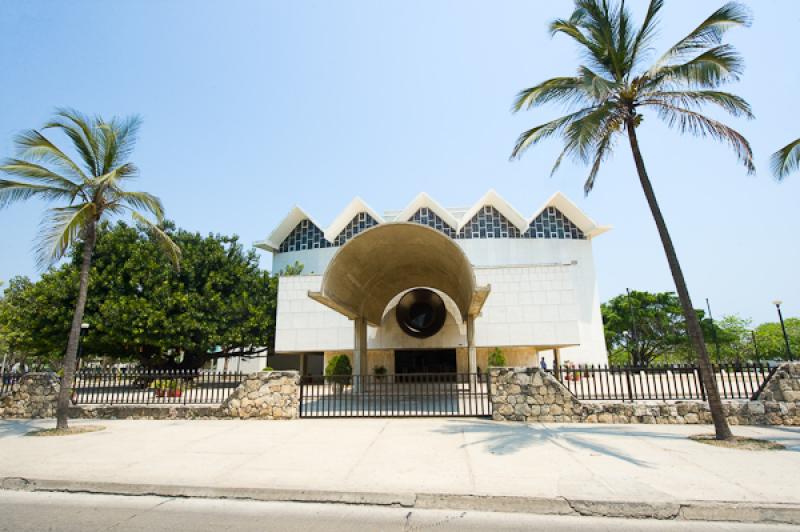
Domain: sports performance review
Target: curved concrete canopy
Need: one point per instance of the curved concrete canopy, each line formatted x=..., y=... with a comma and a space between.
x=374, y=266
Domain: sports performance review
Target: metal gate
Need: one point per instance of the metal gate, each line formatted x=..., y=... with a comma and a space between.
x=400, y=395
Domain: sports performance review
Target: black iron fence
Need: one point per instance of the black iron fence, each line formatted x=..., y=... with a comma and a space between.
x=144, y=387
x=663, y=383
x=401, y=395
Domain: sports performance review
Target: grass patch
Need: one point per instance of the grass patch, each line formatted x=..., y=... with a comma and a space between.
x=79, y=429
x=738, y=442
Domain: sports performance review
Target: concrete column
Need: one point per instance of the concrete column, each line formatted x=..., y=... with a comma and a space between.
x=472, y=351
x=359, y=352
x=557, y=362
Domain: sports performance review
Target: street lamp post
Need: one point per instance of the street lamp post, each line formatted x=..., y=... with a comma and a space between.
x=777, y=304
x=713, y=331
x=755, y=344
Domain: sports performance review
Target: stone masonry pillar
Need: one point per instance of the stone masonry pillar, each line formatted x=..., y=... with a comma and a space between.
x=359, y=352
x=472, y=351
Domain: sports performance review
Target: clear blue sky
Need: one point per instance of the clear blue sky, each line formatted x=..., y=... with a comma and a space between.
x=251, y=107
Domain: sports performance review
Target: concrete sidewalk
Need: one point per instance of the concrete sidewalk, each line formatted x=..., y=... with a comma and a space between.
x=613, y=463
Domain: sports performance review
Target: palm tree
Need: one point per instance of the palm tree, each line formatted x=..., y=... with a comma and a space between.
x=89, y=189
x=786, y=160
x=614, y=86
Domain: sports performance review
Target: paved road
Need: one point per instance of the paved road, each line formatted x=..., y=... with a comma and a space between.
x=61, y=512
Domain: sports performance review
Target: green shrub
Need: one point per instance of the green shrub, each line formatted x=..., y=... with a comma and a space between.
x=496, y=358
x=379, y=370
x=267, y=369
x=339, y=369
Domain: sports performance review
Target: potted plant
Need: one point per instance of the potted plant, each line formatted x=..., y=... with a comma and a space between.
x=572, y=373
x=166, y=388
x=380, y=373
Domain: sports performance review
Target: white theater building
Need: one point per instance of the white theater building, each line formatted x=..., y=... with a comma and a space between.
x=435, y=289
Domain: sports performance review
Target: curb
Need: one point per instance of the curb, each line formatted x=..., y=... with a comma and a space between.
x=682, y=511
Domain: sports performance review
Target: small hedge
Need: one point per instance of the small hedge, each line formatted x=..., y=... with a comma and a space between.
x=339, y=370
x=496, y=358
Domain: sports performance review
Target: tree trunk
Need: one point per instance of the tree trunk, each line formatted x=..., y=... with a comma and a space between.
x=723, y=432
x=70, y=357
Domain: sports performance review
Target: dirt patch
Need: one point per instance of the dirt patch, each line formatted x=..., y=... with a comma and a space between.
x=738, y=442
x=80, y=429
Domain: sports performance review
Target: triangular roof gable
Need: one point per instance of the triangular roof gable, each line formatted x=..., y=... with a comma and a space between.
x=424, y=200
x=503, y=207
x=287, y=225
x=573, y=213
x=346, y=216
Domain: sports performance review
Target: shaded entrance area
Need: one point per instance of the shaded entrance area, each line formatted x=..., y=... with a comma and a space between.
x=425, y=361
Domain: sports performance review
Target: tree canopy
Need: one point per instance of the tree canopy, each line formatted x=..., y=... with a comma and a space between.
x=218, y=304
x=644, y=328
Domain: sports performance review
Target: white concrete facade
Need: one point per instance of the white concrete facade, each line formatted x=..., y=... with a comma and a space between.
x=543, y=290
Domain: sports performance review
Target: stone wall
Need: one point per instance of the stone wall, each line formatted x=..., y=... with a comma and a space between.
x=266, y=395
x=530, y=394
x=784, y=384
x=33, y=396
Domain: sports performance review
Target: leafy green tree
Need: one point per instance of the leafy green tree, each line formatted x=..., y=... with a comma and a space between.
x=786, y=160
x=88, y=189
x=35, y=317
x=772, y=346
x=643, y=327
x=614, y=87
x=219, y=304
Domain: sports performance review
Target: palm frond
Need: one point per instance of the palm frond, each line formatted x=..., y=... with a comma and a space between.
x=112, y=179
x=117, y=140
x=14, y=191
x=567, y=89
x=712, y=67
x=534, y=135
x=582, y=135
x=36, y=172
x=688, y=121
x=709, y=32
x=785, y=160
x=646, y=31
x=603, y=147
x=60, y=230
x=730, y=103
x=579, y=28
x=33, y=145
x=167, y=245
x=82, y=132
x=142, y=201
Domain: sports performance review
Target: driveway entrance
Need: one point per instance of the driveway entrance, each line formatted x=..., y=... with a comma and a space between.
x=441, y=394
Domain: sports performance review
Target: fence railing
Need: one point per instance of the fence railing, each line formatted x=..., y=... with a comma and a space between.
x=664, y=383
x=144, y=387
x=399, y=395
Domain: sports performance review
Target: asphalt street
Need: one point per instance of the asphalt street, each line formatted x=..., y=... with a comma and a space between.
x=40, y=512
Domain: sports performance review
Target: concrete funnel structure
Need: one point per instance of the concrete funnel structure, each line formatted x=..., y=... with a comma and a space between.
x=372, y=268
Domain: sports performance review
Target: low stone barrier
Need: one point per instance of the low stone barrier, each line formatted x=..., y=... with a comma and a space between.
x=534, y=395
x=264, y=395
x=267, y=395
x=33, y=396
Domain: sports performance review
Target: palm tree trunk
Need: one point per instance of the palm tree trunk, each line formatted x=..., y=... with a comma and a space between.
x=723, y=431
x=70, y=357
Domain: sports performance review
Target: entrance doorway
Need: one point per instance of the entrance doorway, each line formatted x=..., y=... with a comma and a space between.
x=425, y=361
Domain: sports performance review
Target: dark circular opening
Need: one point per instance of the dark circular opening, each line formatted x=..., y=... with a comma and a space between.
x=421, y=313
